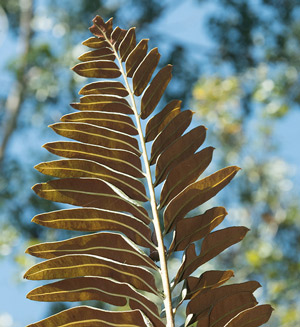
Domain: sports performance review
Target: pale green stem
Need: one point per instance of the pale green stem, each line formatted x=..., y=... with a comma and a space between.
x=156, y=223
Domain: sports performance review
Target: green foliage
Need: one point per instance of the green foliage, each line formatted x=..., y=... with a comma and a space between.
x=110, y=186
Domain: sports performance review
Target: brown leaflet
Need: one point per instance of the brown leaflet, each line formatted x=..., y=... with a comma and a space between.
x=196, y=194
x=127, y=44
x=108, y=245
x=107, y=87
x=155, y=91
x=92, y=134
x=185, y=173
x=99, y=54
x=115, y=121
x=213, y=244
x=158, y=122
x=95, y=43
x=84, y=316
x=117, y=36
x=100, y=28
x=120, y=160
x=99, y=289
x=110, y=103
x=143, y=73
x=170, y=133
x=208, y=280
x=193, y=229
x=95, y=220
x=98, y=69
x=206, y=299
x=225, y=309
x=253, y=317
x=174, y=156
x=80, y=265
x=89, y=192
x=71, y=168
x=136, y=56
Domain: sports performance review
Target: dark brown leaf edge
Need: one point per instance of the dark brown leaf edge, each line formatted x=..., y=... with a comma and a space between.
x=105, y=174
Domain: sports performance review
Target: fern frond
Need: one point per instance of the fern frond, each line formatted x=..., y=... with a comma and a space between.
x=106, y=174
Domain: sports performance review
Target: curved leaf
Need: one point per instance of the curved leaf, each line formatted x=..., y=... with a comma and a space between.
x=213, y=244
x=253, y=317
x=179, y=150
x=136, y=56
x=109, y=103
x=207, y=280
x=120, y=160
x=107, y=245
x=193, y=229
x=96, y=288
x=157, y=123
x=98, y=69
x=101, y=29
x=99, y=54
x=118, y=122
x=143, y=73
x=155, y=91
x=95, y=42
x=127, y=44
x=86, y=316
x=89, y=192
x=80, y=265
x=92, y=134
x=196, y=194
x=107, y=87
x=94, y=220
x=170, y=133
x=199, y=304
x=72, y=168
x=184, y=173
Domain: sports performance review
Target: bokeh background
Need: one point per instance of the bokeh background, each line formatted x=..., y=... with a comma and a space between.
x=236, y=64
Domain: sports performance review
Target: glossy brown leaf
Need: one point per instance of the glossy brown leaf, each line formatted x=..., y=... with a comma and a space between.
x=206, y=299
x=175, y=154
x=98, y=69
x=186, y=172
x=115, y=121
x=92, y=134
x=142, y=75
x=208, y=280
x=155, y=91
x=157, y=123
x=196, y=194
x=213, y=244
x=107, y=245
x=120, y=160
x=80, y=265
x=99, y=54
x=253, y=317
x=84, y=316
x=193, y=229
x=71, y=168
x=109, y=103
x=136, y=56
x=94, y=220
x=89, y=192
x=99, y=289
x=127, y=44
x=117, y=36
x=170, y=133
x=107, y=87
x=95, y=43
x=225, y=309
